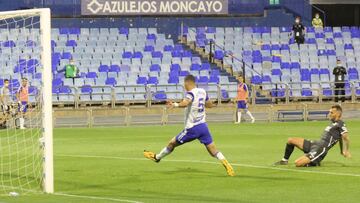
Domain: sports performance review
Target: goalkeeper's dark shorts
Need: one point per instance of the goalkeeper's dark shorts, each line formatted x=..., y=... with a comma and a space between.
x=314, y=151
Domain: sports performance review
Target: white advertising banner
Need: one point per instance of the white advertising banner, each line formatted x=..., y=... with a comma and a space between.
x=154, y=7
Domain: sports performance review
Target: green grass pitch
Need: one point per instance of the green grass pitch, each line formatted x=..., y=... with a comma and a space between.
x=107, y=165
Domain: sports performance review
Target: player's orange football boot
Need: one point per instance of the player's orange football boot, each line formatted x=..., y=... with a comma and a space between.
x=228, y=167
x=151, y=156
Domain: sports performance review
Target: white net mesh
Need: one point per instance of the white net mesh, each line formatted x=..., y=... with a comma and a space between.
x=21, y=150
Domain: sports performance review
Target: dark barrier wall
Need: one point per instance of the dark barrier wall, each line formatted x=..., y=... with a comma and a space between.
x=71, y=8
x=340, y=15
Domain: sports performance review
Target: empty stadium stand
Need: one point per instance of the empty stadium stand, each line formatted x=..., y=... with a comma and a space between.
x=140, y=65
x=116, y=65
x=276, y=63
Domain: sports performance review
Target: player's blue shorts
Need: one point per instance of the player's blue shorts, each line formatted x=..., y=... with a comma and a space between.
x=23, y=107
x=200, y=132
x=241, y=105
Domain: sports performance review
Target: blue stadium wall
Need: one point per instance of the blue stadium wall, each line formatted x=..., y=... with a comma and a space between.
x=66, y=13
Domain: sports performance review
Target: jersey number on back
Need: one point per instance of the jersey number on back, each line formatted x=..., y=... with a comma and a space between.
x=201, y=105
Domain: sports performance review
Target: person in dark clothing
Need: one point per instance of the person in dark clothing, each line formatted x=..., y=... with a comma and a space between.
x=298, y=31
x=316, y=150
x=339, y=72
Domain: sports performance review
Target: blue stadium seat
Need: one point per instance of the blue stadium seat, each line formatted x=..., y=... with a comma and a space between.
x=175, y=68
x=64, y=90
x=168, y=48
x=137, y=54
x=71, y=43
x=155, y=68
x=66, y=55
x=9, y=43
x=338, y=35
x=160, y=96
x=149, y=48
x=256, y=80
x=203, y=79
x=141, y=81
x=114, y=68
x=157, y=54
x=184, y=73
x=306, y=92
x=86, y=89
x=110, y=81
x=124, y=30
x=104, y=68
x=195, y=67
x=127, y=54
x=153, y=81
x=57, y=82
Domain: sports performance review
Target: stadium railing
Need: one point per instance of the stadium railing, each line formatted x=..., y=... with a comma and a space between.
x=273, y=93
x=160, y=115
x=281, y=92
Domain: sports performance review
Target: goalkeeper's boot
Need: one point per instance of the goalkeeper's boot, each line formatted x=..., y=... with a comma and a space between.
x=312, y=164
x=151, y=156
x=281, y=162
x=228, y=167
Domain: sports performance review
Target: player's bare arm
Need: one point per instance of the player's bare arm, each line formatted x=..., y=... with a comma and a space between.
x=184, y=103
x=345, y=144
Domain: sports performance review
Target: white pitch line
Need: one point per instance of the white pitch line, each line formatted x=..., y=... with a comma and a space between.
x=96, y=198
x=77, y=196
x=211, y=162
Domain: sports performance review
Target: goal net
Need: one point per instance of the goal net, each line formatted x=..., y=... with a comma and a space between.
x=26, y=160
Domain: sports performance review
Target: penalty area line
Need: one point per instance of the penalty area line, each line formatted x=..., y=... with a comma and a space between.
x=96, y=198
x=211, y=162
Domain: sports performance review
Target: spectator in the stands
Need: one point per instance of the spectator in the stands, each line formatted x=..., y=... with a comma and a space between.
x=339, y=72
x=317, y=22
x=71, y=70
x=298, y=31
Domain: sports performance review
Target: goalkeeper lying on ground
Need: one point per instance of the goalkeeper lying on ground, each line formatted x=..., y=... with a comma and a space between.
x=315, y=151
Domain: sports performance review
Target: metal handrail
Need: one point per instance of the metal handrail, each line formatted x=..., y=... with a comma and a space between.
x=227, y=53
x=320, y=96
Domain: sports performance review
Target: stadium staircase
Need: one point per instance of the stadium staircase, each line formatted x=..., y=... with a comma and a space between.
x=226, y=69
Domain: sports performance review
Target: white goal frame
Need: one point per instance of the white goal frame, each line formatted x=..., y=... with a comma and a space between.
x=47, y=119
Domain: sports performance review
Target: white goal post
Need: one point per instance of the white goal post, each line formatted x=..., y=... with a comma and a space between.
x=25, y=19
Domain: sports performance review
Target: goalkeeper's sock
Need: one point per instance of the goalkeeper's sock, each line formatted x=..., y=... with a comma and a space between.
x=288, y=151
x=250, y=115
x=163, y=153
x=220, y=156
x=238, y=117
x=21, y=123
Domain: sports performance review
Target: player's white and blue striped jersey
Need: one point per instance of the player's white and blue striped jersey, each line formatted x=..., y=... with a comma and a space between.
x=195, y=112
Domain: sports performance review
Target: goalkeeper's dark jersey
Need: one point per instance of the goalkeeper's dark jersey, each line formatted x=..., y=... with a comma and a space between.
x=332, y=134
